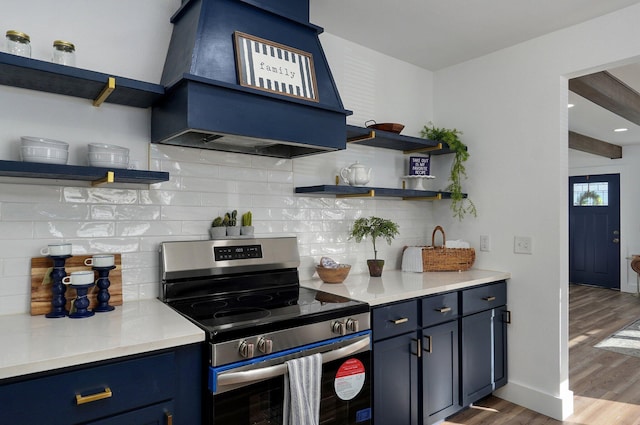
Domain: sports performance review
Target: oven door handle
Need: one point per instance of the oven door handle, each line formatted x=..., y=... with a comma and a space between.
x=245, y=377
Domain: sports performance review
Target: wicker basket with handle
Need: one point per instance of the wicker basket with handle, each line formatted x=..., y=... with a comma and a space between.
x=443, y=259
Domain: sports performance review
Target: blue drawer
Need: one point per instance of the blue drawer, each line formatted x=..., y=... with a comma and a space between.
x=54, y=399
x=439, y=308
x=395, y=319
x=484, y=298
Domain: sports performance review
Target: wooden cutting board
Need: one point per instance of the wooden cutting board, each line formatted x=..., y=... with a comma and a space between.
x=41, y=283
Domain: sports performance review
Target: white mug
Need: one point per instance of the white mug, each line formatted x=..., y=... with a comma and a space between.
x=56, y=249
x=100, y=260
x=84, y=277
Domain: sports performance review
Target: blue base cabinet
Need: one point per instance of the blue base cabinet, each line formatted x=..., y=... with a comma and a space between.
x=436, y=355
x=484, y=338
x=162, y=387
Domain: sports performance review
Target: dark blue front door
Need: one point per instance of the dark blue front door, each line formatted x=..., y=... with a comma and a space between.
x=594, y=230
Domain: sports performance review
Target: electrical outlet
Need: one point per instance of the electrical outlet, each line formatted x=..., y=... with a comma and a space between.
x=522, y=245
x=485, y=243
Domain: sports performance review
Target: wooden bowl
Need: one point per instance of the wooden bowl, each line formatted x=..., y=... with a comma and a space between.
x=391, y=127
x=337, y=275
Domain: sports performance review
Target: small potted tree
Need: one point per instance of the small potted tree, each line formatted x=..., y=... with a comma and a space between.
x=375, y=227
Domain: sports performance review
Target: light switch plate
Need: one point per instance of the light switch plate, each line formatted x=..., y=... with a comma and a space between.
x=485, y=243
x=522, y=245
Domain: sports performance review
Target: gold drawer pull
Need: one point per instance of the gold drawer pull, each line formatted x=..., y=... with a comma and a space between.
x=93, y=397
x=489, y=298
x=399, y=321
x=169, y=418
x=443, y=309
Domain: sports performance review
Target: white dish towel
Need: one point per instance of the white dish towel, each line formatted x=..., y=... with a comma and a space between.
x=412, y=259
x=302, y=391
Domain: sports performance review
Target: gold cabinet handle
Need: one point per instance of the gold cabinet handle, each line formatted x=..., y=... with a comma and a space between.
x=443, y=309
x=93, y=397
x=418, y=353
x=507, y=313
x=429, y=348
x=169, y=418
x=399, y=321
x=490, y=298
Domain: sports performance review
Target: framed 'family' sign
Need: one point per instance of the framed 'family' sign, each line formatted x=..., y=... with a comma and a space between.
x=275, y=68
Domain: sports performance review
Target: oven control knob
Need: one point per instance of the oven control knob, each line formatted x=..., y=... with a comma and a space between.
x=246, y=349
x=265, y=345
x=338, y=328
x=352, y=325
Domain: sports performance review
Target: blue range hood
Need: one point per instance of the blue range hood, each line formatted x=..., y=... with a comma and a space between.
x=205, y=105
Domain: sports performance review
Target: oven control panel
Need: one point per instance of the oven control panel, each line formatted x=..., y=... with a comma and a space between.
x=239, y=252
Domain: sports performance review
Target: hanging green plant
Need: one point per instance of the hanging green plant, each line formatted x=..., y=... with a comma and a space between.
x=459, y=204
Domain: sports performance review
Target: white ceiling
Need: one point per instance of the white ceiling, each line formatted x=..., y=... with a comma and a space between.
x=434, y=34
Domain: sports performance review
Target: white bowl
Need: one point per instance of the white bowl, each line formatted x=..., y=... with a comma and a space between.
x=108, y=159
x=44, y=154
x=102, y=147
x=42, y=142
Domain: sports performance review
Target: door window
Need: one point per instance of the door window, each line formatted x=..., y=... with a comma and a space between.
x=592, y=194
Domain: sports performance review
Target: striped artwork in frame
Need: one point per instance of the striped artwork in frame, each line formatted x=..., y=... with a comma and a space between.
x=275, y=68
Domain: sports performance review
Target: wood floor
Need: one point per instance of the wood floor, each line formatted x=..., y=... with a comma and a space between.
x=605, y=385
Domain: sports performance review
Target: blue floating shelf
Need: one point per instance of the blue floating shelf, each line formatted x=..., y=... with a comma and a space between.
x=33, y=74
x=78, y=172
x=365, y=191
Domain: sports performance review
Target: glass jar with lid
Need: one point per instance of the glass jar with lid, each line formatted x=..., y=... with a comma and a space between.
x=64, y=53
x=18, y=43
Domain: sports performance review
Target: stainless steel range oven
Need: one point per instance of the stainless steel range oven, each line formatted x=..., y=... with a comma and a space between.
x=245, y=294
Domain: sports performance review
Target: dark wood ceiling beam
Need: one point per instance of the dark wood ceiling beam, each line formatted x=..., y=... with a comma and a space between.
x=593, y=146
x=607, y=91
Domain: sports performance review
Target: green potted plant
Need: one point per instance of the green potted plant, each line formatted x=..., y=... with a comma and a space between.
x=230, y=220
x=459, y=204
x=246, y=228
x=217, y=229
x=374, y=227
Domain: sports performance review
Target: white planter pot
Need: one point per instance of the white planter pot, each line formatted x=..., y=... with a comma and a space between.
x=217, y=232
x=233, y=231
x=246, y=230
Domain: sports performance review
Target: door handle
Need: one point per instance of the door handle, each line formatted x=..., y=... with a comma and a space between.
x=418, y=352
x=616, y=240
x=429, y=348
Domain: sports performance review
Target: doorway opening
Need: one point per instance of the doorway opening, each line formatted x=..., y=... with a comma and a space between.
x=594, y=230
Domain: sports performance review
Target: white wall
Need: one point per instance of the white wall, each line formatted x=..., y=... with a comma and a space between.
x=512, y=107
x=581, y=163
x=133, y=219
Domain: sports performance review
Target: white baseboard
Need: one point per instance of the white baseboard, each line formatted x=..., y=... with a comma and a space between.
x=557, y=407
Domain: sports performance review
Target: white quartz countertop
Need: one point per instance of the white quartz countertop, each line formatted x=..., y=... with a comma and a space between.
x=34, y=343
x=396, y=285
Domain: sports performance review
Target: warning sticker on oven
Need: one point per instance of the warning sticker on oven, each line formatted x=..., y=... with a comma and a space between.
x=349, y=379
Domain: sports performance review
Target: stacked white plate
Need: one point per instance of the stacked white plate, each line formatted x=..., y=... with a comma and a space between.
x=103, y=155
x=38, y=149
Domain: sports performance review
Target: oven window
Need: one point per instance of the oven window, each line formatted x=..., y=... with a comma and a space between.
x=261, y=403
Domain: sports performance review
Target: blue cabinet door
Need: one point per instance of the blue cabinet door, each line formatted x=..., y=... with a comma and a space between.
x=395, y=376
x=477, y=357
x=440, y=377
x=484, y=354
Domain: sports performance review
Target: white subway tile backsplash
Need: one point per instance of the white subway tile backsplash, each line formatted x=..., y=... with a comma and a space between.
x=101, y=196
x=203, y=184
x=14, y=211
x=16, y=230
x=103, y=212
x=74, y=229
x=169, y=197
x=146, y=228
